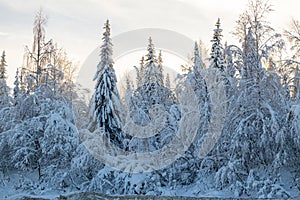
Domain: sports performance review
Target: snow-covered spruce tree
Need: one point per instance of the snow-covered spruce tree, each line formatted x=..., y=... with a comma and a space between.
x=231, y=82
x=3, y=66
x=197, y=63
x=149, y=98
x=126, y=96
x=217, y=52
x=106, y=97
x=160, y=69
x=152, y=91
x=17, y=85
x=151, y=66
x=4, y=89
x=23, y=84
x=153, y=77
x=140, y=73
x=128, y=91
x=5, y=163
x=217, y=61
x=167, y=82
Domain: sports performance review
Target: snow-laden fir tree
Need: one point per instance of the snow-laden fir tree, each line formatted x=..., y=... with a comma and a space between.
x=3, y=66
x=168, y=83
x=217, y=55
x=106, y=96
x=152, y=91
x=128, y=90
x=140, y=73
x=126, y=97
x=148, y=96
x=197, y=63
x=17, y=85
x=230, y=75
x=252, y=64
x=152, y=72
x=4, y=89
x=160, y=69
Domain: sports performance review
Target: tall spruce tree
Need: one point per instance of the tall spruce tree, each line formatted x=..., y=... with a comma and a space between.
x=160, y=69
x=140, y=73
x=197, y=63
x=106, y=96
x=151, y=66
x=17, y=85
x=3, y=66
x=217, y=54
x=4, y=89
x=168, y=82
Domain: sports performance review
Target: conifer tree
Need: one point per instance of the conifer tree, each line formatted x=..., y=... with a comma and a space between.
x=106, y=96
x=160, y=69
x=151, y=65
x=128, y=91
x=252, y=70
x=217, y=55
x=140, y=73
x=17, y=85
x=197, y=63
x=3, y=65
x=4, y=89
x=168, y=83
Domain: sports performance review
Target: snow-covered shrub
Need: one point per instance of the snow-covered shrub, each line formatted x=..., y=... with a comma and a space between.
x=59, y=141
x=83, y=167
x=25, y=184
x=272, y=190
x=230, y=174
x=289, y=139
x=264, y=187
x=5, y=149
x=28, y=108
x=7, y=118
x=25, y=144
x=103, y=181
x=208, y=164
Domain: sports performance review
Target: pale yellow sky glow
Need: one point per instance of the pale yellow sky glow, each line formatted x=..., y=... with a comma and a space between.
x=77, y=25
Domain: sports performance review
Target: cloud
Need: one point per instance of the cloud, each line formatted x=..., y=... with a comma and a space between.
x=3, y=34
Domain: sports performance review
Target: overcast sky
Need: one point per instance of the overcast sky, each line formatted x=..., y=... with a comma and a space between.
x=77, y=24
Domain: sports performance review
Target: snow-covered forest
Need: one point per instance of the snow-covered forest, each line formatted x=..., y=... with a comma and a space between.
x=46, y=123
